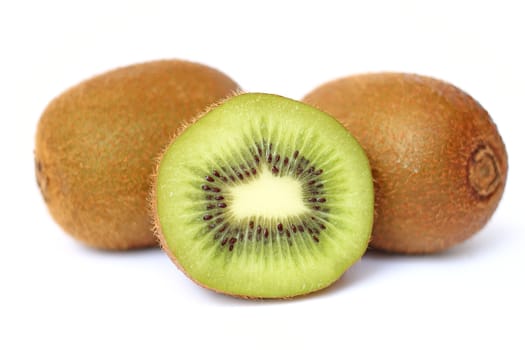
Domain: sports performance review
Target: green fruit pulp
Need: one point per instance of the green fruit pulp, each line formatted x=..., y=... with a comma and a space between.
x=264, y=197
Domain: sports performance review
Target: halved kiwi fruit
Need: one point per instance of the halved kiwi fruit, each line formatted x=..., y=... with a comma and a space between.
x=438, y=161
x=264, y=197
x=96, y=146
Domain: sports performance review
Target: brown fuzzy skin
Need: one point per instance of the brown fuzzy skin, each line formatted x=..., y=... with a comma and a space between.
x=438, y=161
x=96, y=146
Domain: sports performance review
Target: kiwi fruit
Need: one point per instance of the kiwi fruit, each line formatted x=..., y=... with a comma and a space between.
x=263, y=197
x=438, y=161
x=97, y=143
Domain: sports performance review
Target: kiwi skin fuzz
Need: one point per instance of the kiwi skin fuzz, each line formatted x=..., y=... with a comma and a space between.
x=96, y=145
x=438, y=161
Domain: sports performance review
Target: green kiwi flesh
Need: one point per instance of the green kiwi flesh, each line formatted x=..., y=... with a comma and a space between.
x=264, y=197
x=97, y=143
x=438, y=161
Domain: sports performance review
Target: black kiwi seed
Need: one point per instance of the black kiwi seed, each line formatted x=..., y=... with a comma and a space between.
x=228, y=234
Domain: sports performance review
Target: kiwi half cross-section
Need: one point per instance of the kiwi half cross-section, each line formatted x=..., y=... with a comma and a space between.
x=264, y=197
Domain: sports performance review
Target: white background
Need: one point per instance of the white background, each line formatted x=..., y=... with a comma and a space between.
x=57, y=294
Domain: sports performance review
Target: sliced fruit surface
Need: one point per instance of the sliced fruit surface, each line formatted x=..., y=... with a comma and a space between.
x=264, y=197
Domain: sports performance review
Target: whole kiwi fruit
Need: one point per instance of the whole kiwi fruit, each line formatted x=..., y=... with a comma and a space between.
x=264, y=197
x=438, y=161
x=97, y=143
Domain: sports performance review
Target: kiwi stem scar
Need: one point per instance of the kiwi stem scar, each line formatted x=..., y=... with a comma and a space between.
x=483, y=171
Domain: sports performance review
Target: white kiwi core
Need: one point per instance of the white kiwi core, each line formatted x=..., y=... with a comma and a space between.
x=268, y=196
